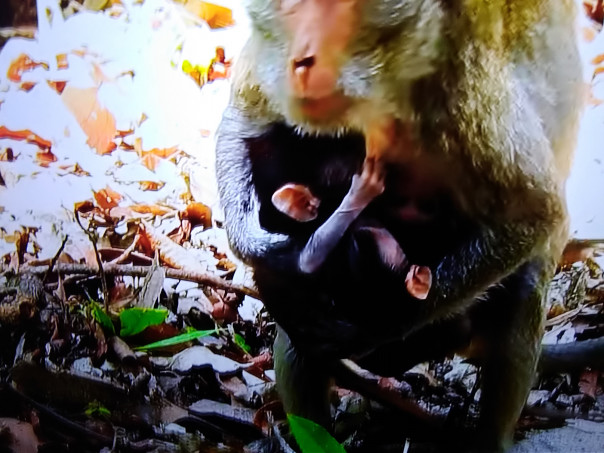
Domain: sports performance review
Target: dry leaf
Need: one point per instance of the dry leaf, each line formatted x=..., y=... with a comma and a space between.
x=62, y=62
x=589, y=34
x=164, y=153
x=170, y=253
x=26, y=135
x=150, y=209
x=594, y=10
x=74, y=169
x=151, y=185
x=45, y=158
x=84, y=206
x=150, y=161
x=7, y=155
x=216, y=16
x=198, y=214
x=58, y=86
x=96, y=121
x=588, y=383
x=107, y=198
x=27, y=86
x=21, y=64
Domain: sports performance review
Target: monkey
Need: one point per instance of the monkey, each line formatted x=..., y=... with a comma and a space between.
x=473, y=108
x=298, y=202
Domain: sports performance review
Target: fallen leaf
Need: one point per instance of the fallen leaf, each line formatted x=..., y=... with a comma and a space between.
x=199, y=356
x=7, y=155
x=151, y=185
x=58, y=86
x=27, y=86
x=20, y=65
x=150, y=161
x=26, y=135
x=198, y=214
x=62, y=62
x=595, y=10
x=107, y=198
x=150, y=209
x=74, y=169
x=164, y=153
x=45, y=158
x=216, y=16
x=84, y=206
x=96, y=121
x=588, y=383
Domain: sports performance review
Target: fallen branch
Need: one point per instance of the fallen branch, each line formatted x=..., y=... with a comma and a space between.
x=139, y=271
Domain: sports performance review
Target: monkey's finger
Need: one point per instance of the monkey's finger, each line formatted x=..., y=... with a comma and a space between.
x=368, y=167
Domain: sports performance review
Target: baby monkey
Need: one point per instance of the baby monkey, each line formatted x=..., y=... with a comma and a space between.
x=299, y=203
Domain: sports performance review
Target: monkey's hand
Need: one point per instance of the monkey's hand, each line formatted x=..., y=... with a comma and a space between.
x=365, y=187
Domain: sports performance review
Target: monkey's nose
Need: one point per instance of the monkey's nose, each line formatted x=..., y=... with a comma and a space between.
x=303, y=63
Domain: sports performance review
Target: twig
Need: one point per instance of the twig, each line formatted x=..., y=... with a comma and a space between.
x=126, y=254
x=101, y=271
x=141, y=271
x=55, y=258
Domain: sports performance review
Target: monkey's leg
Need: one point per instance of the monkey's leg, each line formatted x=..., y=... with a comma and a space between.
x=513, y=327
x=302, y=381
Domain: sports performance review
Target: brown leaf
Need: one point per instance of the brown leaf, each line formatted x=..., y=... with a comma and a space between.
x=150, y=209
x=21, y=64
x=75, y=169
x=151, y=185
x=26, y=135
x=7, y=155
x=150, y=161
x=577, y=250
x=84, y=206
x=58, y=86
x=107, y=198
x=45, y=158
x=216, y=16
x=96, y=121
x=225, y=264
x=588, y=383
x=595, y=10
x=589, y=34
x=198, y=214
x=62, y=62
x=27, y=86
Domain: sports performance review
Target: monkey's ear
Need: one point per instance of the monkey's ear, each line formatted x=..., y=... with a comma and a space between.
x=296, y=201
x=419, y=281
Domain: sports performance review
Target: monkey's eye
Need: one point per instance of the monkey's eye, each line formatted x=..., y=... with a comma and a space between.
x=388, y=13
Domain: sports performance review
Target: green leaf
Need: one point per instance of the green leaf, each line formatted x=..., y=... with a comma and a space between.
x=96, y=409
x=183, y=338
x=312, y=438
x=135, y=320
x=101, y=317
x=240, y=341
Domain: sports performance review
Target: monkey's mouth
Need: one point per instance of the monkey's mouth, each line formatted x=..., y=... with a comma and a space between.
x=324, y=108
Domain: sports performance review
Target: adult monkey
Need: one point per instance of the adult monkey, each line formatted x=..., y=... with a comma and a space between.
x=471, y=105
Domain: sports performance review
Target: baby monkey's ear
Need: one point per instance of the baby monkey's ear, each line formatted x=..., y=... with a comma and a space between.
x=296, y=201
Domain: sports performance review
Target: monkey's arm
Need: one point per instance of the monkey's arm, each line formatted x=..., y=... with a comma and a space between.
x=516, y=199
x=364, y=188
x=253, y=244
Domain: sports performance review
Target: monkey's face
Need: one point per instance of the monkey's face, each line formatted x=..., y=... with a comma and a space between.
x=325, y=63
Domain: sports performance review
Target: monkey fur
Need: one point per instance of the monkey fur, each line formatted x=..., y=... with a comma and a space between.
x=473, y=107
